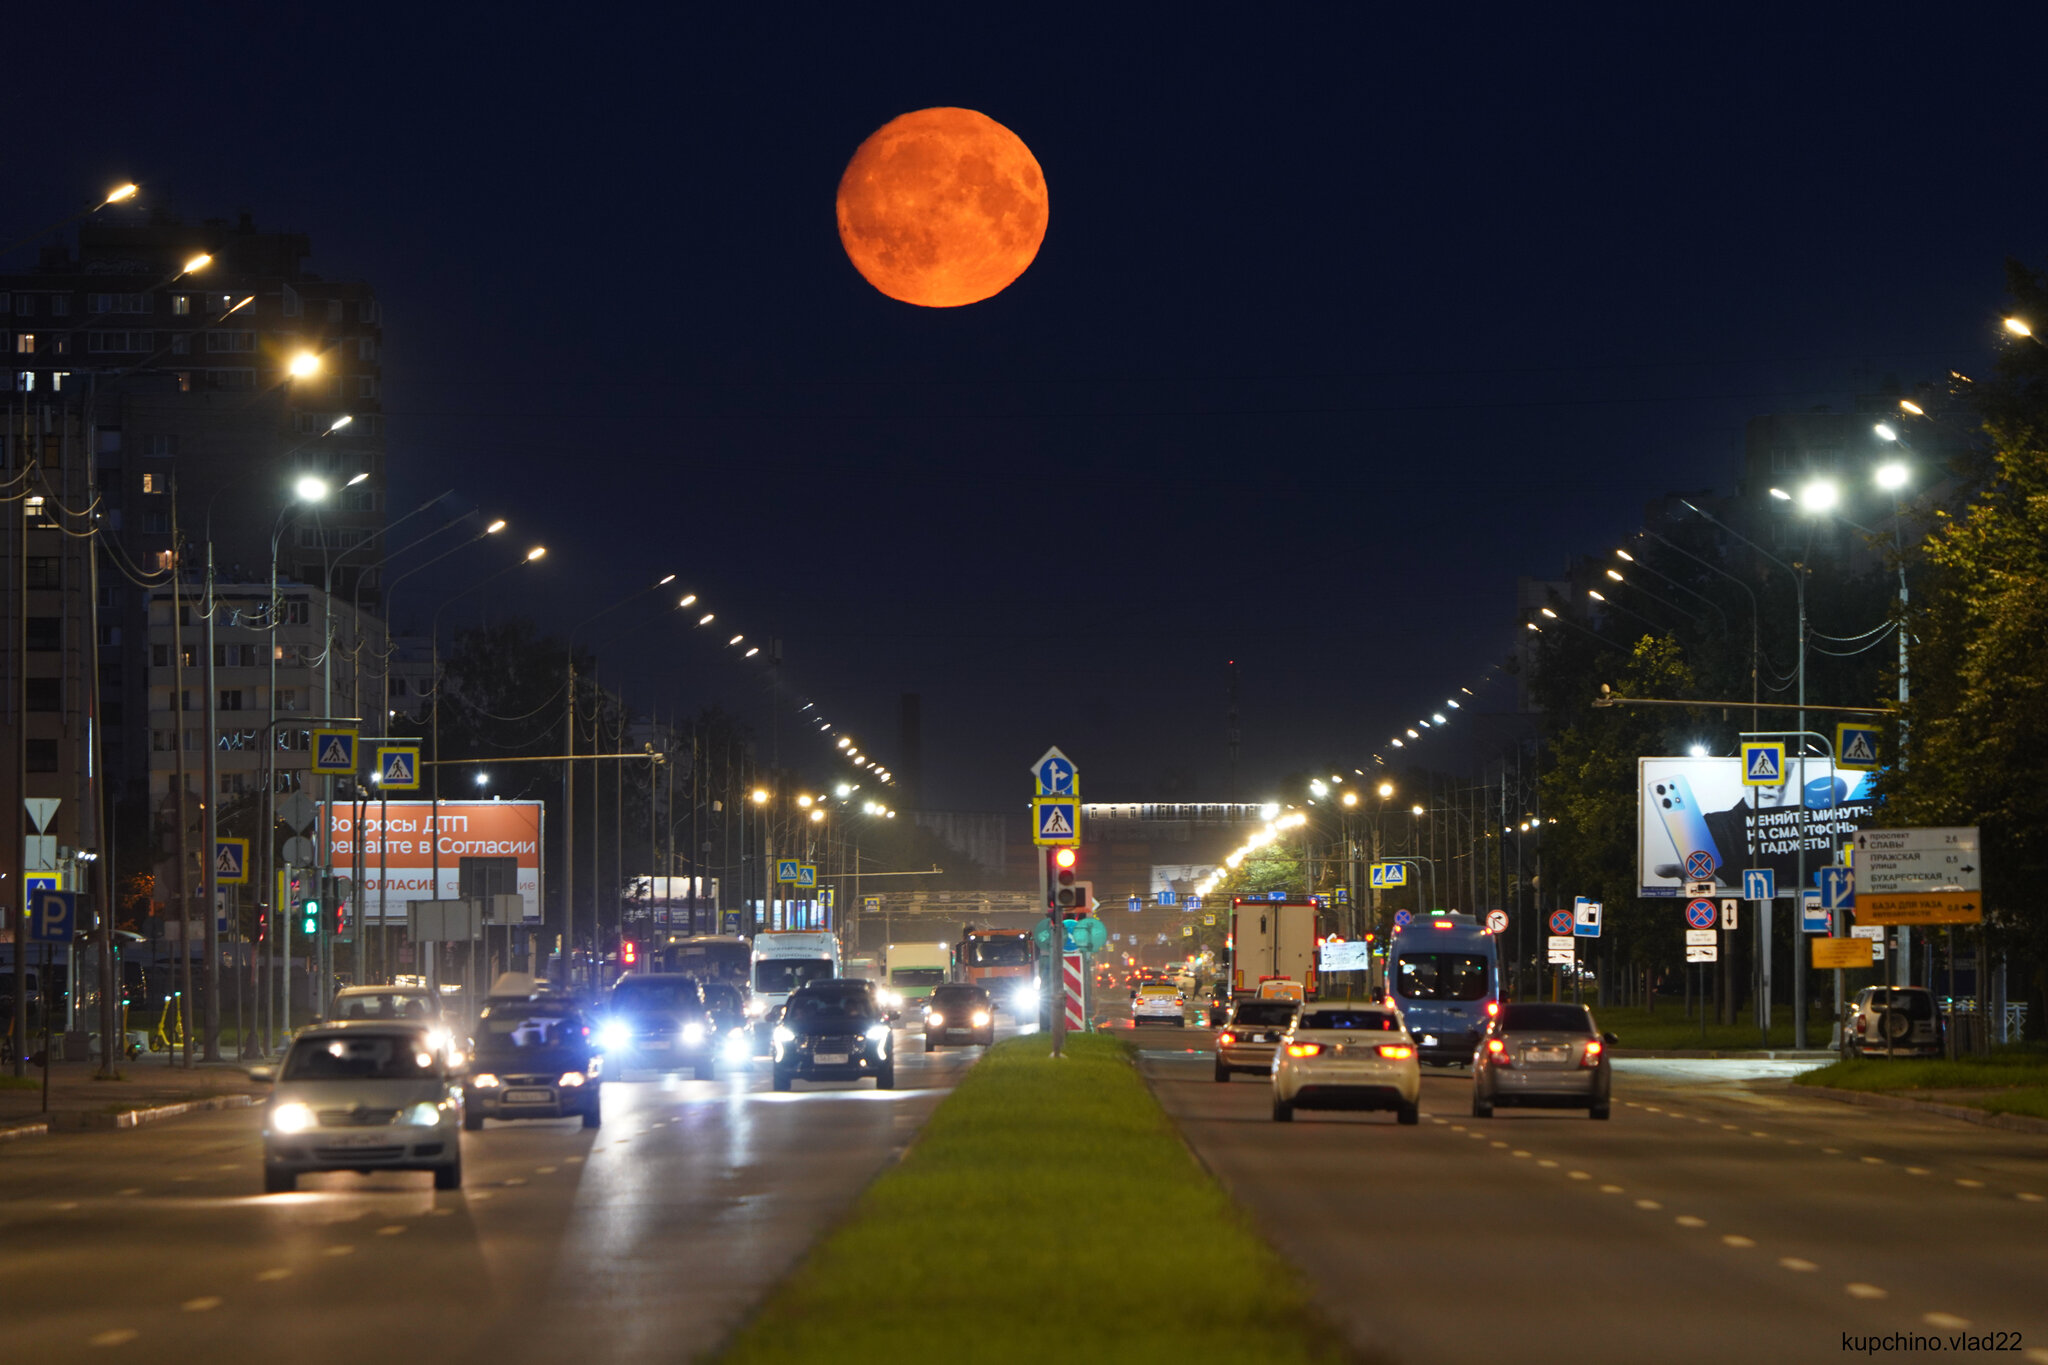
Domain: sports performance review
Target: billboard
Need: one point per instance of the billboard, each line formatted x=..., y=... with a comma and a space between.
x=389, y=848
x=1688, y=806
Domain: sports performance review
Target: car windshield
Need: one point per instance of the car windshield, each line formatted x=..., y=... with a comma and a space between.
x=361, y=1057
x=835, y=1008
x=655, y=993
x=530, y=1028
x=1372, y=1021
x=381, y=1005
x=777, y=976
x=1441, y=976
x=719, y=996
x=970, y=997
x=999, y=952
x=1279, y=1012
x=1546, y=1019
x=917, y=976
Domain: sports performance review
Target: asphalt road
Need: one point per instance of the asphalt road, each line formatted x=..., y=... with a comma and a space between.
x=647, y=1239
x=1718, y=1216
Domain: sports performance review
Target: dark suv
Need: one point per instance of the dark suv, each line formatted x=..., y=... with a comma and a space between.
x=657, y=1022
x=958, y=1014
x=833, y=1031
x=533, y=1059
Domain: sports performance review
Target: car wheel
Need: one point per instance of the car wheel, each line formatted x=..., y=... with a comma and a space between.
x=1410, y=1114
x=1222, y=1074
x=781, y=1081
x=1481, y=1109
x=279, y=1182
x=448, y=1177
x=1599, y=1111
x=1283, y=1112
x=885, y=1079
x=472, y=1120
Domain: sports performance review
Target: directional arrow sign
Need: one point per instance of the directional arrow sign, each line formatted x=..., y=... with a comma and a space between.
x=1056, y=774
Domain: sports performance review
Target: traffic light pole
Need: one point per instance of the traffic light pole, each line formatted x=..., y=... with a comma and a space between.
x=1055, y=944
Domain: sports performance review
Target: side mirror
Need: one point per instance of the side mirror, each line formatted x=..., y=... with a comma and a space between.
x=263, y=1075
x=1610, y=1040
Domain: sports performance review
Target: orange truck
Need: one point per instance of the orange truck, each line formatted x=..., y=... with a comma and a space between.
x=1003, y=962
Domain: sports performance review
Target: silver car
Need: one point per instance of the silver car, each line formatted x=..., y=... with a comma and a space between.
x=1250, y=1034
x=1543, y=1055
x=1894, y=1021
x=362, y=1097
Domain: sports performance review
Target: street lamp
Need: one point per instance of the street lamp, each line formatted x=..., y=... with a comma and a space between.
x=304, y=365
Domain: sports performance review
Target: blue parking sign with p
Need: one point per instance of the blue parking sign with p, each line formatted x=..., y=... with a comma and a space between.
x=52, y=916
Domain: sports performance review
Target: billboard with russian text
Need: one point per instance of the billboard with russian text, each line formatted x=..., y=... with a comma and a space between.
x=1694, y=806
x=394, y=854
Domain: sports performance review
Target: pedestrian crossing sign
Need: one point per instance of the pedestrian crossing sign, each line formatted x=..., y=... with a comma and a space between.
x=1856, y=746
x=1055, y=822
x=231, y=862
x=807, y=877
x=1763, y=764
x=788, y=870
x=334, y=753
x=398, y=767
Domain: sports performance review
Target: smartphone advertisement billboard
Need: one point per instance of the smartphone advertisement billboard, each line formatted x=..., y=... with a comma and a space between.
x=390, y=848
x=1691, y=806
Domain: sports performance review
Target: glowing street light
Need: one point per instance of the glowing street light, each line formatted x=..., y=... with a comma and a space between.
x=304, y=365
x=310, y=488
x=120, y=194
x=1892, y=475
x=1820, y=496
x=1885, y=432
x=1386, y=790
x=537, y=552
x=2017, y=326
x=495, y=527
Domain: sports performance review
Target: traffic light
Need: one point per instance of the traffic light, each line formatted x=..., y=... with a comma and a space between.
x=309, y=918
x=1067, y=894
x=629, y=951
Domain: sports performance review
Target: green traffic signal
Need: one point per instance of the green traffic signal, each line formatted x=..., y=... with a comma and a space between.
x=309, y=912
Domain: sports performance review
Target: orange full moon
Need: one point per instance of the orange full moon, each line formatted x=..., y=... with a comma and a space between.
x=942, y=207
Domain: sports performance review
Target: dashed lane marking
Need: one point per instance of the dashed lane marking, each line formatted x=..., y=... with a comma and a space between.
x=66, y=1206
x=273, y=1274
x=545, y=1170
x=1832, y=1151
x=1546, y=1162
x=2028, y=1196
x=1734, y=1240
x=1648, y=1204
x=476, y=1195
x=205, y=1304
x=516, y=1180
x=1518, y=1152
x=1611, y=1189
x=1580, y=1175
x=440, y=1213
x=1916, y=1170
x=1859, y=1290
x=391, y=1230
x=1730, y=1128
x=1947, y=1321
x=1754, y=1133
x=1687, y=1220
x=343, y=1250
x=572, y=1160
x=119, y=1336
x=1971, y=1184
x=1796, y=1263
x=1873, y=1161
x=1501, y=1145
x=132, y=1189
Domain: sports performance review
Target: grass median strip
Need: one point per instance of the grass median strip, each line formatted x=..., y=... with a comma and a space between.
x=1048, y=1212
x=2009, y=1081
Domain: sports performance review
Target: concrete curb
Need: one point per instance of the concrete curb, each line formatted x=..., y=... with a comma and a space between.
x=2014, y=1123
x=87, y=1121
x=1622, y=1054
x=35, y=1128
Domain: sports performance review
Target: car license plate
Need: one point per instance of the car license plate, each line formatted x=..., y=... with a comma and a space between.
x=1429, y=1040
x=360, y=1140
x=956, y=1030
x=527, y=1097
x=829, y=1058
x=655, y=1045
x=1549, y=1054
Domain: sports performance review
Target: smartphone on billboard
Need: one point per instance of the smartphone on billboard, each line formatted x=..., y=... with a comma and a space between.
x=1684, y=823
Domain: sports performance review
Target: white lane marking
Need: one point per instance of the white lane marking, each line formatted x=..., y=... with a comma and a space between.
x=1795, y=1263
x=1648, y=1204
x=183, y=1179
x=1519, y=1152
x=391, y=1230
x=204, y=1304
x=440, y=1213
x=132, y=1189
x=1971, y=1184
x=1481, y=1137
x=572, y=1160
x=119, y=1336
x=227, y=1166
x=276, y=1272
x=1916, y=1170
x=550, y=1170
x=475, y=1195
x=1726, y=1127
x=1611, y=1189
x=1792, y=1142
x=1501, y=1145
x=343, y=1250
x=1873, y=1161
x=1456, y=1127
x=516, y=1180
x=2028, y=1196
x=67, y=1205
x=2038, y=1354
x=1686, y=1220
x=1832, y=1151
x=1865, y=1291
x=1752, y=1132
x=1731, y=1239
x=1546, y=1162
x=1576, y=1175
x=1945, y=1320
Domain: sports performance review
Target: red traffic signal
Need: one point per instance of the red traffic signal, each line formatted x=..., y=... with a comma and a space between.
x=629, y=951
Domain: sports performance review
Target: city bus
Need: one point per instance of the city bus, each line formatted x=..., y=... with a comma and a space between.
x=1443, y=975
x=708, y=957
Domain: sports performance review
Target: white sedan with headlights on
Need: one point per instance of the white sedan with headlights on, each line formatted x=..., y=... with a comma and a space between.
x=361, y=1097
x=1341, y=1055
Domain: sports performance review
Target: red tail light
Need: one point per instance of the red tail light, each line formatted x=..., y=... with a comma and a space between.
x=1400, y=1052
x=1493, y=1009
x=1593, y=1049
x=1225, y=1039
x=1860, y=1022
x=1303, y=1049
x=1497, y=1052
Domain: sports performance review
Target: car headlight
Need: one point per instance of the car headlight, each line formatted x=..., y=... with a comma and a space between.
x=439, y=1039
x=485, y=1080
x=934, y=1017
x=614, y=1034
x=1026, y=998
x=783, y=1035
x=736, y=1043
x=889, y=998
x=571, y=1078
x=693, y=1034
x=980, y=1018
x=291, y=1118
x=425, y=1114
x=756, y=1008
